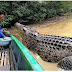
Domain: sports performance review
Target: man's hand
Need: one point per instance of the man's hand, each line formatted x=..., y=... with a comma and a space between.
x=5, y=39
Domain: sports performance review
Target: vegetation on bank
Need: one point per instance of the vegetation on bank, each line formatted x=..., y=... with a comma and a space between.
x=27, y=12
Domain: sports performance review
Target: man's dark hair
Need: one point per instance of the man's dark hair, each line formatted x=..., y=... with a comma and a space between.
x=2, y=12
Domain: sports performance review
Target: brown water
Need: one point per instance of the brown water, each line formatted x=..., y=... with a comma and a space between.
x=63, y=28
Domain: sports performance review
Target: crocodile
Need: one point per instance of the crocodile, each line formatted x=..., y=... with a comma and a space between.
x=50, y=48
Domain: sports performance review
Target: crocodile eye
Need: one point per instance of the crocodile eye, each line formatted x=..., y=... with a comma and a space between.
x=34, y=35
x=24, y=30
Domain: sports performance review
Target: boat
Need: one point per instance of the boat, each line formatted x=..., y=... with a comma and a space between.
x=15, y=56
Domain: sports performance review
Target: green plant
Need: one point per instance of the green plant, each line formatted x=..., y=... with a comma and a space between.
x=27, y=12
x=59, y=11
x=51, y=13
x=6, y=20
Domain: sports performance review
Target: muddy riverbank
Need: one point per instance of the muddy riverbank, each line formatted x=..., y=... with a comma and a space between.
x=50, y=21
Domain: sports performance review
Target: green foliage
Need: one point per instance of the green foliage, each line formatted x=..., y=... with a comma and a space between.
x=67, y=6
x=30, y=12
x=51, y=13
x=6, y=20
x=3, y=5
x=59, y=11
x=55, y=5
x=27, y=12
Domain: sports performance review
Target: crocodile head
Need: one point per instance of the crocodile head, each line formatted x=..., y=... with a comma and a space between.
x=18, y=25
x=31, y=37
x=30, y=33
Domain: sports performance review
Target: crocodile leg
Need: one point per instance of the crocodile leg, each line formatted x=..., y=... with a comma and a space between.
x=65, y=63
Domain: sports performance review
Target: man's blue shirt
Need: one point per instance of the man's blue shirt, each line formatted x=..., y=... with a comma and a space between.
x=1, y=34
x=0, y=27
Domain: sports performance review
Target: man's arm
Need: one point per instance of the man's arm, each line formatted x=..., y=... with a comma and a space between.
x=3, y=36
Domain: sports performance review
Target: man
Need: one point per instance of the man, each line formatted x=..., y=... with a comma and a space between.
x=2, y=15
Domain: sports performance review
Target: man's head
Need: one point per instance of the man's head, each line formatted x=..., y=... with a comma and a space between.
x=2, y=15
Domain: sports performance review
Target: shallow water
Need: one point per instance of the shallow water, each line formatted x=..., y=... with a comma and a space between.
x=63, y=28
